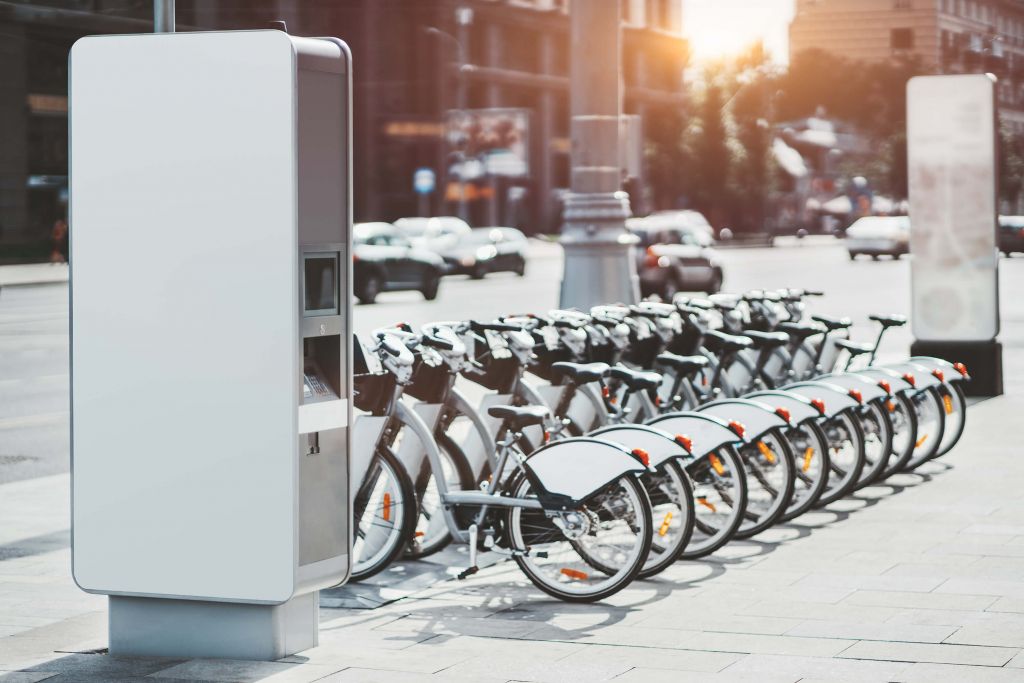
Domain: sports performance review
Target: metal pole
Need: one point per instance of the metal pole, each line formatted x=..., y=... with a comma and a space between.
x=163, y=16
x=600, y=266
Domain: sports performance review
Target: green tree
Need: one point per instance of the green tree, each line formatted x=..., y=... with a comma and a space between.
x=712, y=157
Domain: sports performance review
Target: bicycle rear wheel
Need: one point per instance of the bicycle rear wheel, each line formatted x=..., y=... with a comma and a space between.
x=810, y=447
x=384, y=514
x=878, y=430
x=671, y=495
x=931, y=423
x=431, y=531
x=771, y=470
x=611, y=529
x=904, y=433
x=720, y=499
x=846, y=456
x=955, y=406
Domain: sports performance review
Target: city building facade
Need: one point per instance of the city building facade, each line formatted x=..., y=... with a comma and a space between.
x=417, y=64
x=947, y=36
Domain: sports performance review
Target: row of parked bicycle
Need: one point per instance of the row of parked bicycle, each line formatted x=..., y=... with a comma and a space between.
x=604, y=446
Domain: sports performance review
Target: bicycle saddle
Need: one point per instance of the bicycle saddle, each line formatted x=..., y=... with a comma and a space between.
x=720, y=341
x=580, y=373
x=495, y=326
x=833, y=323
x=766, y=340
x=800, y=331
x=684, y=365
x=889, y=320
x=854, y=348
x=636, y=380
x=696, y=303
x=519, y=416
x=724, y=302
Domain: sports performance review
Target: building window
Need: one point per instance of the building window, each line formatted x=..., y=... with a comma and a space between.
x=901, y=39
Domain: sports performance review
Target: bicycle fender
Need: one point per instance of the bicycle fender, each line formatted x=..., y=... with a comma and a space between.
x=799, y=407
x=880, y=374
x=923, y=377
x=949, y=370
x=835, y=398
x=756, y=418
x=706, y=433
x=571, y=470
x=660, y=446
x=869, y=391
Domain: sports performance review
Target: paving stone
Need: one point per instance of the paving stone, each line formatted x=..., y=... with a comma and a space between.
x=238, y=671
x=950, y=673
x=654, y=658
x=830, y=669
x=25, y=676
x=868, y=614
x=356, y=675
x=920, y=600
x=525, y=669
x=861, y=631
x=711, y=621
x=1001, y=634
x=646, y=675
x=922, y=652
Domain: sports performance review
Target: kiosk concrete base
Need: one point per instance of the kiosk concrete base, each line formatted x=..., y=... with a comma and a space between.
x=153, y=627
x=984, y=361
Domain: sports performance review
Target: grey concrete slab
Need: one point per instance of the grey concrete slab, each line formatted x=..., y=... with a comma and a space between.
x=829, y=669
x=887, y=632
x=937, y=654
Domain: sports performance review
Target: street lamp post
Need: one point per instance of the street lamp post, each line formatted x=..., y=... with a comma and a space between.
x=460, y=105
x=163, y=16
x=599, y=261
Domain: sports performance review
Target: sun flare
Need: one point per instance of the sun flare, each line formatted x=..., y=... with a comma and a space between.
x=720, y=29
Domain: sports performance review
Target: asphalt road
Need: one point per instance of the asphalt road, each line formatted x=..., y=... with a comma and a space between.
x=33, y=326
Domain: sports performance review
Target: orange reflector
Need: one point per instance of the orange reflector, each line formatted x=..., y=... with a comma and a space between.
x=891, y=406
x=819, y=405
x=808, y=454
x=766, y=452
x=886, y=386
x=387, y=507
x=657, y=400
x=547, y=436
x=920, y=441
x=418, y=534
x=704, y=501
x=737, y=427
x=910, y=379
x=939, y=375
x=857, y=396
x=716, y=464
x=685, y=441
x=961, y=368
x=643, y=456
x=783, y=413
x=663, y=529
x=574, y=574
x=947, y=401
x=605, y=392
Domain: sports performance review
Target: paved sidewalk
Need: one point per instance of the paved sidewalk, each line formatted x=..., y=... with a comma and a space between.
x=33, y=274
x=921, y=579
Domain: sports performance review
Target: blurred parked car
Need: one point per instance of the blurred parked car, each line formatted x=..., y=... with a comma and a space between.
x=384, y=260
x=487, y=250
x=687, y=220
x=1011, y=234
x=436, y=233
x=877, y=235
x=672, y=257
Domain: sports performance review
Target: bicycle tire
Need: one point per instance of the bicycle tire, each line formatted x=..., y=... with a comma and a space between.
x=658, y=562
x=950, y=437
x=907, y=436
x=423, y=543
x=404, y=516
x=798, y=506
x=783, y=463
x=873, y=469
x=847, y=481
x=700, y=472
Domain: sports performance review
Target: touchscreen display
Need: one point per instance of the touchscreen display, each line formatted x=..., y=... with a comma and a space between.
x=321, y=284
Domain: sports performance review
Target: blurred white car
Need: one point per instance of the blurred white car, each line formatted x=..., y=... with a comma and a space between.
x=686, y=219
x=877, y=235
x=438, y=233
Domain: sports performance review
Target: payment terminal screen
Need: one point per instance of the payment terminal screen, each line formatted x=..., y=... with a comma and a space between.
x=321, y=284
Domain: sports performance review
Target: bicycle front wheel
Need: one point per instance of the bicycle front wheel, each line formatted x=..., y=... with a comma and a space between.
x=931, y=423
x=846, y=456
x=904, y=433
x=586, y=554
x=878, y=430
x=813, y=465
x=384, y=513
x=954, y=405
x=431, y=533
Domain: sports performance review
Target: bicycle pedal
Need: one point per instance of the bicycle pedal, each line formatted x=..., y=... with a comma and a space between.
x=466, y=573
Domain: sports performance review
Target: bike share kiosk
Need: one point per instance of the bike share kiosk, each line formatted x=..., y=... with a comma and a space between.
x=210, y=340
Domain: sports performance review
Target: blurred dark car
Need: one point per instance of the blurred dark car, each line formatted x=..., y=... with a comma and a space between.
x=487, y=250
x=1011, y=234
x=384, y=260
x=674, y=258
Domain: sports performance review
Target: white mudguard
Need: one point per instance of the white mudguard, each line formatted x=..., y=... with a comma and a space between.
x=948, y=370
x=757, y=418
x=834, y=398
x=706, y=433
x=574, y=469
x=366, y=431
x=923, y=377
x=799, y=407
x=659, y=445
x=869, y=391
x=879, y=374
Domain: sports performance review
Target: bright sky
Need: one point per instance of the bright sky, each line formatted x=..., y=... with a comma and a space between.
x=720, y=28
